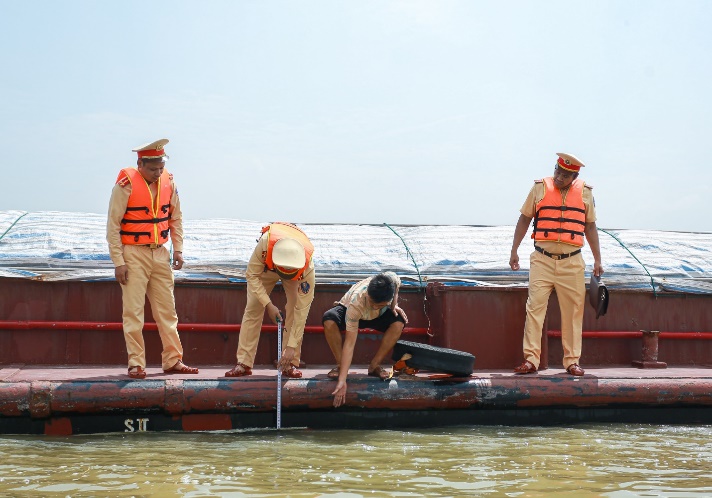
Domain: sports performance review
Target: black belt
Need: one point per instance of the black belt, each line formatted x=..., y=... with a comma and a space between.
x=557, y=256
x=152, y=246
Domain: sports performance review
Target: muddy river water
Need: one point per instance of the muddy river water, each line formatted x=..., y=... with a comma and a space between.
x=612, y=460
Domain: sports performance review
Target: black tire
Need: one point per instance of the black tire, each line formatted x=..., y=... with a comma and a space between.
x=433, y=358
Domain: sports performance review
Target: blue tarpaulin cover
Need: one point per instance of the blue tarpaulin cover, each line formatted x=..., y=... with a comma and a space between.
x=53, y=246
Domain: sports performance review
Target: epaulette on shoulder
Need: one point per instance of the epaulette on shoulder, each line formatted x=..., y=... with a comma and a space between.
x=123, y=179
x=539, y=181
x=170, y=176
x=590, y=187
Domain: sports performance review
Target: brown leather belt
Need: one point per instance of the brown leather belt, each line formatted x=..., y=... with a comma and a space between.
x=557, y=256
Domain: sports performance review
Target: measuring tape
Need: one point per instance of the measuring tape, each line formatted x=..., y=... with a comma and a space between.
x=279, y=374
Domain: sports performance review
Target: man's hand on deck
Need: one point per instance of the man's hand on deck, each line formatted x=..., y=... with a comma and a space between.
x=339, y=394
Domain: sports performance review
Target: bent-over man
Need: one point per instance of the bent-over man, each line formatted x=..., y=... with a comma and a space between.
x=283, y=253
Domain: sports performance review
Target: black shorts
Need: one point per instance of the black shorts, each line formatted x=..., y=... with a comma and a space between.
x=338, y=315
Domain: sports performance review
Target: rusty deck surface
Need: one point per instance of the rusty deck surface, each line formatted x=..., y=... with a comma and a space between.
x=73, y=400
x=62, y=373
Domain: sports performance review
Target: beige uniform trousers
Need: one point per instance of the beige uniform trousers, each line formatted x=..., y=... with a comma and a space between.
x=150, y=274
x=254, y=314
x=567, y=277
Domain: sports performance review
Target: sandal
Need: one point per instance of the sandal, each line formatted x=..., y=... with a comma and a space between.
x=301, y=364
x=181, y=368
x=137, y=372
x=400, y=368
x=525, y=368
x=334, y=373
x=380, y=373
x=575, y=370
x=239, y=370
x=292, y=372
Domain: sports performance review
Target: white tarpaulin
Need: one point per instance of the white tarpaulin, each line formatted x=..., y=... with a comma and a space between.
x=72, y=246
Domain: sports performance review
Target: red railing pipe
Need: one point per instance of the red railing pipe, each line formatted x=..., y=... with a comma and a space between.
x=629, y=334
x=182, y=327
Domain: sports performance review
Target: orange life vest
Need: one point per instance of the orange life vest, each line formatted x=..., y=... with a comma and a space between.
x=558, y=221
x=145, y=220
x=279, y=230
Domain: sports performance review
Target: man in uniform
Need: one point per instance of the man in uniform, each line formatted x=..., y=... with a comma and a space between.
x=144, y=209
x=283, y=253
x=563, y=211
x=371, y=303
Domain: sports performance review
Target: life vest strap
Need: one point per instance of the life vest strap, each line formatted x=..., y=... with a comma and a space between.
x=563, y=208
x=136, y=235
x=147, y=220
x=562, y=220
x=558, y=230
x=139, y=208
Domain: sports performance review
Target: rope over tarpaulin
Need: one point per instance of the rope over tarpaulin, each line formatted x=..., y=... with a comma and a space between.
x=420, y=279
x=13, y=224
x=652, y=283
x=407, y=250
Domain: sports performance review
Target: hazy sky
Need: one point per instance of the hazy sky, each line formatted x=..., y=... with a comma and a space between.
x=361, y=111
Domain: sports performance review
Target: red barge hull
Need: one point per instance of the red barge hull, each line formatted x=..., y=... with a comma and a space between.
x=61, y=342
x=97, y=400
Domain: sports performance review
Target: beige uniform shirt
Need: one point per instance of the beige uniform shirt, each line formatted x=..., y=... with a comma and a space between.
x=356, y=302
x=256, y=267
x=536, y=194
x=117, y=207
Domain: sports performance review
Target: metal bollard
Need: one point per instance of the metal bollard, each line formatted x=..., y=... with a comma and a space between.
x=650, y=351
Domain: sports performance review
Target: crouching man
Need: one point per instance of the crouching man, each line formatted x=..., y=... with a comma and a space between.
x=373, y=304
